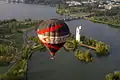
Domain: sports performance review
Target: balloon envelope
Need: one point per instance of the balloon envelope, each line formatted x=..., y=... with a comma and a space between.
x=53, y=34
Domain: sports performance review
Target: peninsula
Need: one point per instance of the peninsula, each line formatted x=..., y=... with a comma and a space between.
x=91, y=12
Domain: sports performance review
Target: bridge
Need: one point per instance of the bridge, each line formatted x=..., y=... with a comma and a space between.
x=70, y=18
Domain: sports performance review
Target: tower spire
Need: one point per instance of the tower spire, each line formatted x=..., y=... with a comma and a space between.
x=78, y=28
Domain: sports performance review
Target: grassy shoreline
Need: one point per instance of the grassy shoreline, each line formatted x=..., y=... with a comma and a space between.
x=61, y=12
x=15, y=31
x=104, y=22
x=19, y=68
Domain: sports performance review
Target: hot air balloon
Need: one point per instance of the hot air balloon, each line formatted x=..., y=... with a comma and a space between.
x=53, y=34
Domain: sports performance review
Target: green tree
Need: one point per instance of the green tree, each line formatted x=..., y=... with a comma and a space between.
x=109, y=76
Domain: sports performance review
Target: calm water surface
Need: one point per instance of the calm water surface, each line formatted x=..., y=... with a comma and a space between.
x=66, y=66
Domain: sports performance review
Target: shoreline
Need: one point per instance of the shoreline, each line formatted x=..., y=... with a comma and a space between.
x=90, y=19
x=110, y=24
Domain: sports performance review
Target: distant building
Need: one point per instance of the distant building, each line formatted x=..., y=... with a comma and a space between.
x=73, y=3
x=101, y=6
x=92, y=0
x=110, y=6
x=117, y=0
x=87, y=3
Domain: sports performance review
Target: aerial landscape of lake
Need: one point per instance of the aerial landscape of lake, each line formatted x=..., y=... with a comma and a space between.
x=66, y=66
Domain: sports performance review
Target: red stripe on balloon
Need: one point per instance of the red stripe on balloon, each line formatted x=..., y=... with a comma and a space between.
x=53, y=28
x=50, y=46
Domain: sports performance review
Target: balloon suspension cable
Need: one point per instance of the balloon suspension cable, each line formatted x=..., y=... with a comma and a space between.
x=52, y=54
x=52, y=57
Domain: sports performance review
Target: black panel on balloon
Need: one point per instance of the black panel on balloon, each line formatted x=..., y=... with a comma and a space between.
x=52, y=50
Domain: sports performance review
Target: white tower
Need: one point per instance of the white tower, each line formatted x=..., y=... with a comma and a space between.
x=78, y=33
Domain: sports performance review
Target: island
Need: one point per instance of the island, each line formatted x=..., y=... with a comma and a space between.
x=100, y=48
x=113, y=76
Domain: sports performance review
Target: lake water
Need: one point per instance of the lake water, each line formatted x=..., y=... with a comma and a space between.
x=66, y=66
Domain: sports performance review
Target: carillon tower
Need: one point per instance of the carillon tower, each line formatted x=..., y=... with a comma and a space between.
x=78, y=33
